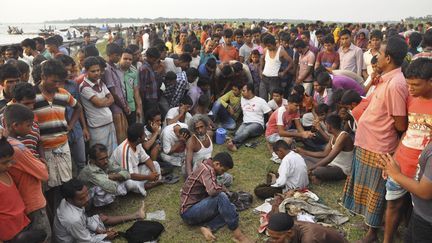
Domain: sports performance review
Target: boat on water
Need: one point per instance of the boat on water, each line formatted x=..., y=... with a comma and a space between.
x=14, y=30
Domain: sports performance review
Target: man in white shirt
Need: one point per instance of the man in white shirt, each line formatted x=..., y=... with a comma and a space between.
x=131, y=156
x=71, y=224
x=174, y=138
x=293, y=173
x=96, y=99
x=254, y=108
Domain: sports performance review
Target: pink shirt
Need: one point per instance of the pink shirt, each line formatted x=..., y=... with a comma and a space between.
x=305, y=62
x=376, y=131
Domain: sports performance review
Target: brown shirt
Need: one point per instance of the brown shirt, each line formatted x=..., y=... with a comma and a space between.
x=199, y=185
x=305, y=232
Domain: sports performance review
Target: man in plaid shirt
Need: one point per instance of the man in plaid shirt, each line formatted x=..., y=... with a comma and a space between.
x=149, y=87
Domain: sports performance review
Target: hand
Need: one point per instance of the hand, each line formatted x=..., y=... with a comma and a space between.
x=299, y=150
x=184, y=136
x=86, y=134
x=183, y=109
x=280, y=74
x=307, y=134
x=127, y=110
x=69, y=128
x=3, y=133
x=139, y=114
x=231, y=110
x=317, y=123
x=154, y=176
x=115, y=177
x=390, y=166
x=111, y=234
x=155, y=127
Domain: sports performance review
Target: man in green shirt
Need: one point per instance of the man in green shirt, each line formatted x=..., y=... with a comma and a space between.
x=131, y=89
x=227, y=107
x=104, y=178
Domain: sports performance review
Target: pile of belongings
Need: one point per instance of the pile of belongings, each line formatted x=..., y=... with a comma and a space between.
x=304, y=206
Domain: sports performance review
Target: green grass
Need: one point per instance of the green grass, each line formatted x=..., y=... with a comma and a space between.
x=250, y=169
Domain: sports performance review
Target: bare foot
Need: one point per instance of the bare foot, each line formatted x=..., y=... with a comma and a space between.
x=315, y=180
x=231, y=146
x=239, y=237
x=370, y=237
x=141, y=213
x=208, y=235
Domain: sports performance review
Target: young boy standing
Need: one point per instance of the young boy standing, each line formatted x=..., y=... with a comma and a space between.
x=27, y=171
x=50, y=109
x=417, y=136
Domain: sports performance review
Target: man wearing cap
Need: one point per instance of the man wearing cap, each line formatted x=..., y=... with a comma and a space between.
x=282, y=229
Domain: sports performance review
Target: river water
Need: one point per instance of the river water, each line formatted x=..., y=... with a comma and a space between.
x=32, y=29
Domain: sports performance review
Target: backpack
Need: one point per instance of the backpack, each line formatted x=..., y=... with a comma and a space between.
x=142, y=231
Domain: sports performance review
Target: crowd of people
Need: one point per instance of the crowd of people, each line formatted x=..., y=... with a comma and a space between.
x=334, y=102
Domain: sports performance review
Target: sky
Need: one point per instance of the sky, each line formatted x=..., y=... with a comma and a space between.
x=326, y=10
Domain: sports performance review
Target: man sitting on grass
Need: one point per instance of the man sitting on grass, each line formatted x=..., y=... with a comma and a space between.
x=335, y=161
x=103, y=177
x=131, y=156
x=204, y=202
x=292, y=172
x=71, y=224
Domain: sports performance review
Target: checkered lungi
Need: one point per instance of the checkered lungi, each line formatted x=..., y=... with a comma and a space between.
x=364, y=191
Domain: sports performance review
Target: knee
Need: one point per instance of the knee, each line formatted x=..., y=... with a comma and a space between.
x=395, y=205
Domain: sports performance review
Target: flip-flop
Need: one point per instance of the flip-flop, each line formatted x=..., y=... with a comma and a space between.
x=170, y=179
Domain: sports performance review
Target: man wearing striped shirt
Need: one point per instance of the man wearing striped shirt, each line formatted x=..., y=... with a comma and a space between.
x=50, y=106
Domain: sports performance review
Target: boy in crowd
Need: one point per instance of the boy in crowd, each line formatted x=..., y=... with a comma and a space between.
x=13, y=219
x=153, y=128
x=79, y=133
x=180, y=113
x=351, y=56
x=9, y=77
x=130, y=82
x=103, y=177
x=96, y=100
x=226, y=51
x=328, y=58
x=375, y=40
x=305, y=66
x=27, y=172
x=335, y=161
x=204, y=202
x=415, y=140
x=281, y=121
x=113, y=79
x=246, y=49
x=292, y=172
x=131, y=156
x=277, y=99
x=227, y=108
x=254, y=108
x=24, y=94
x=174, y=138
x=54, y=127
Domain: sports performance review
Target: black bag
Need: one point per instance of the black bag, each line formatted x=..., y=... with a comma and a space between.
x=242, y=200
x=142, y=231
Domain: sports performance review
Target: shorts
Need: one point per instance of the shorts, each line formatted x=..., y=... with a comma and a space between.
x=393, y=190
x=274, y=138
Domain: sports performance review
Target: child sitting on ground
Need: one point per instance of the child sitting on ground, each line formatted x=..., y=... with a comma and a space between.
x=277, y=99
x=292, y=172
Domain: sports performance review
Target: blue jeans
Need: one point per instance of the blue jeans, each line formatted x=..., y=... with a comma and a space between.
x=247, y=130
x=213, y=212
x=223, y=115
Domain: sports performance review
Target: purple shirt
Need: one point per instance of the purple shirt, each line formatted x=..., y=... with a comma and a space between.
x=343, y=82
x=114, y=79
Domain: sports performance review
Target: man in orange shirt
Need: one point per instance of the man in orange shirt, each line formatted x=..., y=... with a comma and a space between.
x=226, y=51
x=27, y=172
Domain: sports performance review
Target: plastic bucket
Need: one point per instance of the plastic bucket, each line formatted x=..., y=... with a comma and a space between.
x=220, y=135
